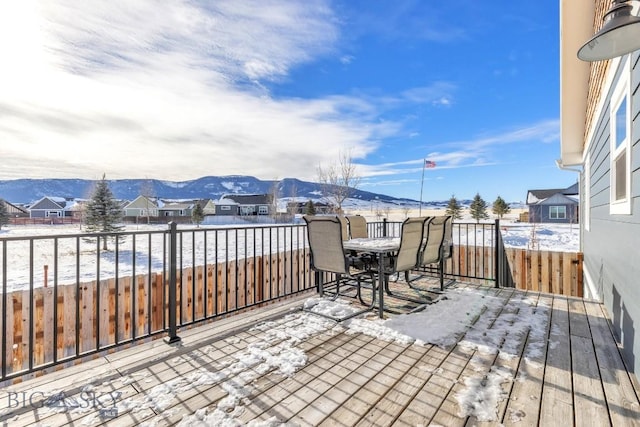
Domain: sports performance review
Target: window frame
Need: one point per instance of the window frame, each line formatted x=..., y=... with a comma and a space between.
x=621, y=94
x=564, y=212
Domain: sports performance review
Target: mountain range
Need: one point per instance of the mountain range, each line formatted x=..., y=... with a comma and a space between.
x=24, y=191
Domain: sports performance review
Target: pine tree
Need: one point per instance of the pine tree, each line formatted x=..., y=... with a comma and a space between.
x=478, y=208
x=500, y=207
x=103, y=213
x=453, y=208
x=4, y=214
x=309, y=208
x=197, y=215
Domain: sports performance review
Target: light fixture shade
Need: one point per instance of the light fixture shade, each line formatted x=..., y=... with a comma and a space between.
x=619, y=35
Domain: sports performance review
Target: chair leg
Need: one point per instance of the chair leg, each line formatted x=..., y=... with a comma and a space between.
x=427, y=299
x=373, y=291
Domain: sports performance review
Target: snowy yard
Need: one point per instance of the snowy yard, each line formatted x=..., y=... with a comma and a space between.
x=246, y=242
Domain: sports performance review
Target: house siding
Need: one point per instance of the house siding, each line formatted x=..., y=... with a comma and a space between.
x=540, y=214
x=611, y=255
x=232, y=211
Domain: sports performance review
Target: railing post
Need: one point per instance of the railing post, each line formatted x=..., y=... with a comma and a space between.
x=173, y=288
x=499, y=253
x=384, y=227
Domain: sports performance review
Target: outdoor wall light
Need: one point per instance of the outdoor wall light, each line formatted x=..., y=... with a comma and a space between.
x=619, y=35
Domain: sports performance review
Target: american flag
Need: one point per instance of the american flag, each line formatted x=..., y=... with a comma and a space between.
x=429, y=164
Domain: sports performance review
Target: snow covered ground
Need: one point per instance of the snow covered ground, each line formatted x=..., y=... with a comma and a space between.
x=228, y=245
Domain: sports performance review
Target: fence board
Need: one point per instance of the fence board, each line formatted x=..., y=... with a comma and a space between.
x=142, y=311
x=10, y=330
x=544, y=271
x=26, y=319
x=568, y=278
x=198, y=298
x=534, y=263
x=545, y=277
x=556, y=284
x=209, y=304
x=67, y=329
x=157, y=298
x=18, y=339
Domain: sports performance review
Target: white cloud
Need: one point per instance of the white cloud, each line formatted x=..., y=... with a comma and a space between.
x=174, y=90
x=483, y=151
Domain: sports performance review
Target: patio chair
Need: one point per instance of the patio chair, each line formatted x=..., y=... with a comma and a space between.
x=438, y=245
x=344, y=227
x=328, y=256
x=407, y=258
x=357, y=227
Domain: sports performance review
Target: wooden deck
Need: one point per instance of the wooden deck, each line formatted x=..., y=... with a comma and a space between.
x=572, y=374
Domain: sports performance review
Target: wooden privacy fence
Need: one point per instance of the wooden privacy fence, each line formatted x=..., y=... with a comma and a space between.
x=546, y=271
x=96, y=316
x=541, y=271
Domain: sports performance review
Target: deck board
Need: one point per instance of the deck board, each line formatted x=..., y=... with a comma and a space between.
x=557, y=392
x=523, y=407
x=570, y=369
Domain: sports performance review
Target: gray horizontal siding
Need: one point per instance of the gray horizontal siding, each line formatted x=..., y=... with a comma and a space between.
x=611, y=247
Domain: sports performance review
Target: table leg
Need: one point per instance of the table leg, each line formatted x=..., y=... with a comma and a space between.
x=381, y=284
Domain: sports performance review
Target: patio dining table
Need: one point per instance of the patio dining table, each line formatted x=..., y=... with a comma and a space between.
x=382, y=247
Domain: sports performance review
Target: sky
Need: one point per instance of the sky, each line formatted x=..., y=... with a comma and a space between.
x=275, y=88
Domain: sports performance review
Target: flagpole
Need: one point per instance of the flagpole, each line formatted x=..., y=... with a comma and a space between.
x=424, y=162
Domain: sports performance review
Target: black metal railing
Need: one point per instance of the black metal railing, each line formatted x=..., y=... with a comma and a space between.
x=65, y=296
x=478, y=251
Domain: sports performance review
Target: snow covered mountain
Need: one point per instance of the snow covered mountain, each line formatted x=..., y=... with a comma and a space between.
x=211, y=187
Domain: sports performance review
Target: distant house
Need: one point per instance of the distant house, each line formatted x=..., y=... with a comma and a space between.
x=224, y=207
x=141, y=206
x=208, y=206
x=50, y=207
x=301, y=207
x=176, y=209
x=76, y=208
x=14, y=211
x=554, y=205
x=251, y=204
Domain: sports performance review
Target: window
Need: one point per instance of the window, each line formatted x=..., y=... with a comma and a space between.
x=620, y=154
x=225, y=208
x=263, y=210
x=557, y=212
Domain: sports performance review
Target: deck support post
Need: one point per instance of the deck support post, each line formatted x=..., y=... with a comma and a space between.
x=499, y=253
x=173, y=288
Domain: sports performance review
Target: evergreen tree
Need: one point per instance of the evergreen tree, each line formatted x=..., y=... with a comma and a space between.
x=197, y=215
x=103, y=213
x=453, y=208
x=309, y=208
x=4, y=214
x=478, y=208
x=500, y=207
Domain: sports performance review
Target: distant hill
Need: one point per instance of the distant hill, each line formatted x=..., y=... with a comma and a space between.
x=212, y=187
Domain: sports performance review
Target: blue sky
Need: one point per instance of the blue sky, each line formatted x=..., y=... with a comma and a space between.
x=273, y=88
